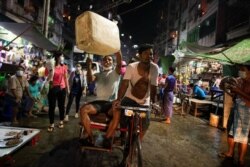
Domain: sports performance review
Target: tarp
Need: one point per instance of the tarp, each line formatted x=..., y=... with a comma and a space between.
x=236, y=54
x=29, y=33
x=239, y=53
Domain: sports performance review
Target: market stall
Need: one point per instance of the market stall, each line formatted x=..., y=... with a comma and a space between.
x=220, y=61
x=13, y=138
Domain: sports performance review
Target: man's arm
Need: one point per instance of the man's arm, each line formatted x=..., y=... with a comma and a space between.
x=90, y=76
x=122, y=89
x=118, y=62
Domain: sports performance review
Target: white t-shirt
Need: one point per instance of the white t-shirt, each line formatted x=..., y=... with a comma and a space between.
x=133, y=75
x=107, y=83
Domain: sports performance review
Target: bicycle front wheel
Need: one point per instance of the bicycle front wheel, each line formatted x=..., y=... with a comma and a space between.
x=135, y=155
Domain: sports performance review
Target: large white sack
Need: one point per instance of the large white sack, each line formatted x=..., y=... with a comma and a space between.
x=96, y=34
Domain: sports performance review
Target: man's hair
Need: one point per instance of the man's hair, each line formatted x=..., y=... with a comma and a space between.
x=144, y=47
x=57, y=54
x=78, y=65
x=191, y=85
x=33, y=78
x=20, y=68
x=243, y=65
x=171, y=69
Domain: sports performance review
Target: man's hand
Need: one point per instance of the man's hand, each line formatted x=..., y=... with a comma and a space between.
x=18, y=100
x=119, y=53
x=89, y=62
x=116, y=104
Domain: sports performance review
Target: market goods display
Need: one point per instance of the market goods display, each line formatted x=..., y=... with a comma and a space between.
x=96, y=34
x=12, y=133
x=13, y=142
x=10, y=142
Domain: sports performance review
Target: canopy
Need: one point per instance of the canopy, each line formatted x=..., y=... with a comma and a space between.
x=29, y=33
x=237, y=54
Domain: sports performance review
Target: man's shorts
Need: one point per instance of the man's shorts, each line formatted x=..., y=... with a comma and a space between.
x=131, y=103
x=101, y=106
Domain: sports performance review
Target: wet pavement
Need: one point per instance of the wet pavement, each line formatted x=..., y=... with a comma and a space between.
x=187, y=142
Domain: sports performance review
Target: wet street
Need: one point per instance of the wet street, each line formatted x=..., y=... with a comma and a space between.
x=186, y=142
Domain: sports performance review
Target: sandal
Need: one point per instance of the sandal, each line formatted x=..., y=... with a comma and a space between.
x=224, y=155
x=60, y=125
x=50, y=129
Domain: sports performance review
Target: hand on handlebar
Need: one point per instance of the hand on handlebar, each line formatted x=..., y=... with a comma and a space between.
x=116, y=104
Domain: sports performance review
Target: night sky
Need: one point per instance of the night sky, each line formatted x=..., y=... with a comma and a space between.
x=141, y=22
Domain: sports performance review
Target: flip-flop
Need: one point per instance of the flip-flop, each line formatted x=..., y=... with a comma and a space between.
x=60, y=125
x=224, y=155
x=50, y=129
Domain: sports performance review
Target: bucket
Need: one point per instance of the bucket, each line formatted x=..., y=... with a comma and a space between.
x=214, y=120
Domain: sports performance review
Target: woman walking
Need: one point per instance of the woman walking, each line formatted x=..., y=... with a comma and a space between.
x=57, y=92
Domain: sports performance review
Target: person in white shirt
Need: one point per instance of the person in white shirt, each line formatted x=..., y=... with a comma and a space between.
x=107, y=82
x=138, y=88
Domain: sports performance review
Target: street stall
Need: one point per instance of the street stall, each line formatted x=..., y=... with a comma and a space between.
x=13, y=138
x=220, y=61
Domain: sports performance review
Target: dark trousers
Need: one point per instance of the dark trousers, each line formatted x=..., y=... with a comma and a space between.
x=56, y=94
x=70, y=101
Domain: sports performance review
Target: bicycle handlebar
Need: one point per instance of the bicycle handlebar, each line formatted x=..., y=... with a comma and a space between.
x=135, y=108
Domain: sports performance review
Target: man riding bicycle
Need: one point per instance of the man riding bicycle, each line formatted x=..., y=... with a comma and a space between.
x=107, y=82
x=138, y=87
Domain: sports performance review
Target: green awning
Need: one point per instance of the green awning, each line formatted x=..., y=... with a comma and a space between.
x=239, y=53
x=236, y=54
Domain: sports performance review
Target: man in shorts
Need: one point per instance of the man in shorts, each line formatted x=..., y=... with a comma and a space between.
x=138, y=87
x=107, y=82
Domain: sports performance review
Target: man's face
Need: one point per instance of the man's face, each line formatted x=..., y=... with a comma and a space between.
x=107, y=61
x=244, y=72
x=146, y=56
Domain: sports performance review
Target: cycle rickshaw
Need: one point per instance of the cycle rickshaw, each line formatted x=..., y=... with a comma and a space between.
x=130, y=141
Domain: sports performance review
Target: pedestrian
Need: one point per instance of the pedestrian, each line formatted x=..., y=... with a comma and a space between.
x=18, y=85
x=77, y=84
x=58, y=89
x=168, y=95
x=107, y=82
x=239, y=119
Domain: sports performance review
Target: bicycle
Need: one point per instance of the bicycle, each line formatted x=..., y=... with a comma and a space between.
x=132, y=148
x=132, y=155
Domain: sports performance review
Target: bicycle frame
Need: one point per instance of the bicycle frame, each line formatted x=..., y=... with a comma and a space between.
x=133, y=143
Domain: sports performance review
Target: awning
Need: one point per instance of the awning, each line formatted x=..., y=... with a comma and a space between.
x=236, y=54
x=29, y=33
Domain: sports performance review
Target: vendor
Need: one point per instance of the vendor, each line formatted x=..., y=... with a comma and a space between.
x=198, y=92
